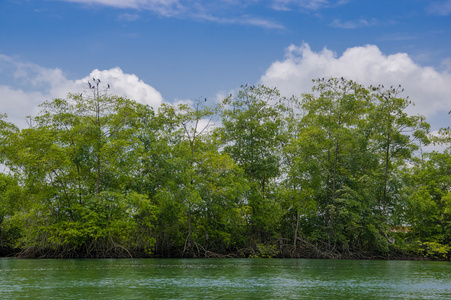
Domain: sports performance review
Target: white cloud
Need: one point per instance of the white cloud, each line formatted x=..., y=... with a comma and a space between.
x=343, y=2
x=446, y=64
x=173, y=7
x=127, y=85
x=286, y=5
x=18, y=104
x=32, y=84
x=243, y=20
x=216, y=12
x=308, y=4
x=129, y=17
x=352, y=24
x=427, y=87
x=163, y=7
x=440, y=8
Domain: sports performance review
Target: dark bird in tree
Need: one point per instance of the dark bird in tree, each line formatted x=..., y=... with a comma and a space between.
x=205, y=99
x=108, y=86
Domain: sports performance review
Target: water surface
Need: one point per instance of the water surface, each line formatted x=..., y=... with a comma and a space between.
x=223, y=278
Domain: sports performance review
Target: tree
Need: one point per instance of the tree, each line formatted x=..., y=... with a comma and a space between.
x=332, y=174
x=76, y=164
x=339, y=111
x=303, y=155
x=337, y=114
x=10, y=204
x=394, y=132
x=200, y=195
x=253, y=133
x=349, y=124
x=428, y=209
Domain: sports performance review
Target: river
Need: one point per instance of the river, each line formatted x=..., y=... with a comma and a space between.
x=223, y=279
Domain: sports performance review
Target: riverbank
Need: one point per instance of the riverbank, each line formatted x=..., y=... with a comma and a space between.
x=120, y=253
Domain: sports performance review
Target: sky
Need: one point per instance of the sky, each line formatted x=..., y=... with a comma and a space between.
x=156, y=51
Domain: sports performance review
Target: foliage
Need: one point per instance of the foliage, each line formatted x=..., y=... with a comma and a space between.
x=336, y=173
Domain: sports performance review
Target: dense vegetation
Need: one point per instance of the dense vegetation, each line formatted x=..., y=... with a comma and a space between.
x=337, y=173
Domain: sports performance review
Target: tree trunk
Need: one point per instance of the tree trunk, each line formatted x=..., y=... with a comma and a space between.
x=296, y=232
x=387, y=161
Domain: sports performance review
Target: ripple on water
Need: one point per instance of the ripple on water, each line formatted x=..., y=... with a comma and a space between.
x=209, y=279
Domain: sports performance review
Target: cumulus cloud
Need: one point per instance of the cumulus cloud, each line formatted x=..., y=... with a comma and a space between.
x=33, y=84
x=428, y=88
x=128, y=85
x=18, y=104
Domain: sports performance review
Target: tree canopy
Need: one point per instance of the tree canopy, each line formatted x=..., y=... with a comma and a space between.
x=339, y=172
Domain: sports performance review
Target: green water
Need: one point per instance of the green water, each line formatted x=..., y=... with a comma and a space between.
x=223, y=279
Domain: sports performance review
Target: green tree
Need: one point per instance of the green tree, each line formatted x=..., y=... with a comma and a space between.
x=10, y=204
x=341, y=115
x=303, y=155
x=254, y=132
x=394, y=133
x=76, y=164
x=428, y=209
x=337, y=112
x=200, y=194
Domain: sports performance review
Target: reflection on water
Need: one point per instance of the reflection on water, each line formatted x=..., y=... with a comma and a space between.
x=223, y=278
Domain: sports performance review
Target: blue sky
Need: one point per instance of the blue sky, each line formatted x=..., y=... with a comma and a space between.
x=158, y=51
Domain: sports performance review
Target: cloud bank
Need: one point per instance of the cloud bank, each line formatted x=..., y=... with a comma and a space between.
x=31, y=85
x=427, y=87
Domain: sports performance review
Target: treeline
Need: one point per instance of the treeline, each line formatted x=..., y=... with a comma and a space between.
x=337, y=173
